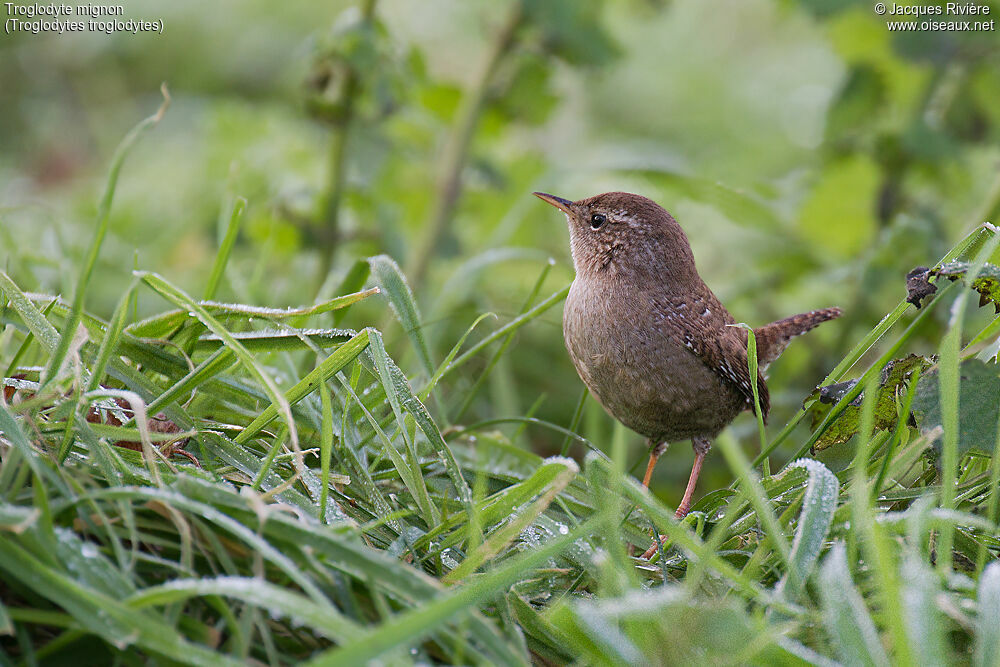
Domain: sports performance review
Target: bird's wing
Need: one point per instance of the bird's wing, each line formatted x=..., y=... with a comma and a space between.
x=726, y=354
x=704, y=326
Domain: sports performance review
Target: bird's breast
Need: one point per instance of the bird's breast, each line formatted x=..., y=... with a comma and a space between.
x=635, y=366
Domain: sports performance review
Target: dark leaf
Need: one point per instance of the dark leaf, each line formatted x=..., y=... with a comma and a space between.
x=895, y=376
x=917, y=285
x=987, y=283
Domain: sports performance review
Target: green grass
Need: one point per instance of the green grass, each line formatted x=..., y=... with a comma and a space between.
x=337, y=515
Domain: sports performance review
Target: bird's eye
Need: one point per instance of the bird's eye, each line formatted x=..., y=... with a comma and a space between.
x=597, y=220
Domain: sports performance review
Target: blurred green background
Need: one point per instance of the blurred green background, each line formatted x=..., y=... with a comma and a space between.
x=812, y=156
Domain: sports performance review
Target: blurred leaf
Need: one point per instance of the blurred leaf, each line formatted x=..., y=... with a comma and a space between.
x=851, y=628
x=925, y=624
x=527, y=96
x=356, y=70
x=662, y=626
x=572, y=30
x=839, y=215
x=987, y=650
x=895, y=376
x=978, y=405
x=6, y=626
x=858, y=102
x=740, y=206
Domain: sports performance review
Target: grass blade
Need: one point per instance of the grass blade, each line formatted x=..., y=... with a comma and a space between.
x=277, y=600
x=334, y=363
x=37, y=324
x=412, y=625
x=225, y=249
x=390, y=279
x=101, y=614
x=549, y=480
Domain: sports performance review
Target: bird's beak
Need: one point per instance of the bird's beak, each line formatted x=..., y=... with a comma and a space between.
x=560, y=203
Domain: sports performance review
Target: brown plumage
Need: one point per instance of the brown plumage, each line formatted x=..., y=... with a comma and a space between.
x=648, y=337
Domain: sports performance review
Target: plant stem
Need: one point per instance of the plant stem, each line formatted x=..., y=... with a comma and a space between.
x=456, y=150
x=339, y=140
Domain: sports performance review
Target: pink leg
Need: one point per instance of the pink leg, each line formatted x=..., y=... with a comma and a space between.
x=701, y=447
x=654, y=455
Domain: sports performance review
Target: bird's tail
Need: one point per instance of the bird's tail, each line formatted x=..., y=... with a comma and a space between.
x=773, y=338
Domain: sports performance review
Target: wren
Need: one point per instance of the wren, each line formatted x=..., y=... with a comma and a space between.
x=653, y=344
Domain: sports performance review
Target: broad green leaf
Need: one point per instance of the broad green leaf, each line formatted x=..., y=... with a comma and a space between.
x=978, y=401
x=839, y=214
x=818, y=506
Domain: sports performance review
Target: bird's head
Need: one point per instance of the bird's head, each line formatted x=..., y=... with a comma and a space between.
x=622, y=234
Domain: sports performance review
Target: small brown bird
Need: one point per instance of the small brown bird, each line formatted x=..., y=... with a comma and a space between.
x=648, y=337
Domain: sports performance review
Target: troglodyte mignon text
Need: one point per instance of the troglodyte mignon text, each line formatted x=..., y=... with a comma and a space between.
x=648, y=337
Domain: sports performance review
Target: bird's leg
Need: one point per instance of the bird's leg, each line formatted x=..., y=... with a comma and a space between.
x=655, y=452
x=701, y=447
